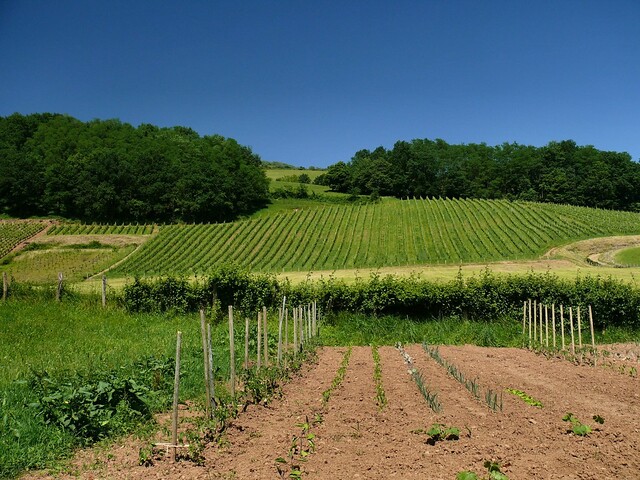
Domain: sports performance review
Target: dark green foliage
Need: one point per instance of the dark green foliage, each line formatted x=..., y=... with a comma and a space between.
x=106, y=171
x=560, y=172
x=484, y=297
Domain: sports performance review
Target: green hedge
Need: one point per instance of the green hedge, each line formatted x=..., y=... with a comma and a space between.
x=483, y=297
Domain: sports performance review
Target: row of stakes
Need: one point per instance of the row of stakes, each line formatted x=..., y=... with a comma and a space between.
x=536, y=317
x=305, y=327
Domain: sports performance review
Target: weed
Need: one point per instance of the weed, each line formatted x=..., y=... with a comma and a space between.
x=493, y=469
x=579, y=428
x=439, y=431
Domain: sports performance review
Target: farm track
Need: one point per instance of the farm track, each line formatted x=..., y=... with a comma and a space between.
x=357, y=440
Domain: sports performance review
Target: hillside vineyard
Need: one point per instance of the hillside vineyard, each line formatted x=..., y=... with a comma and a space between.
x=390, y=233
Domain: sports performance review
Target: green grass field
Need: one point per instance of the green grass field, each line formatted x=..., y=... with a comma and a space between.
x=629, y=256
x=390, y=233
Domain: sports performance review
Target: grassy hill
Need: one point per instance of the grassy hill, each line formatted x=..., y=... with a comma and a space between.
x=390, y=233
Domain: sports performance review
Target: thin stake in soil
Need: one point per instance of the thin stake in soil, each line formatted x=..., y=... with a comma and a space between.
x=573, y=342
x=593, y=338
x=529, y=323
x=246, y=343
x=207, y=369
x=259, y=353
x=546, y=325
x=212, y=390
x=286, y=330
x=579, y=329
x=232, y=354
x=553, y=322
x=176, y=393
x=280, y=321
x=562, y=325
x=535, y=321
x=541, y=332
x=266, y=338
x=59, y=289
x=295, y=331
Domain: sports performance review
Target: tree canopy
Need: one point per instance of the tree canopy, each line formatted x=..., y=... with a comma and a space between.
x=108, y=171
x=560, y=172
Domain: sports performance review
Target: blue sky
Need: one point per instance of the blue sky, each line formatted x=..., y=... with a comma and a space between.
x=312, y=82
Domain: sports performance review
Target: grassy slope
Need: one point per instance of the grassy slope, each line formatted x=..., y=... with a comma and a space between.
x=392, y=233
x=630, y=256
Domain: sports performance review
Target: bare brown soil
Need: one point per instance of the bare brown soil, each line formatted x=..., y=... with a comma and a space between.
x=356, y=439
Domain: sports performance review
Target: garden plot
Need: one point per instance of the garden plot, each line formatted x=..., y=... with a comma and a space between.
x=353, y=436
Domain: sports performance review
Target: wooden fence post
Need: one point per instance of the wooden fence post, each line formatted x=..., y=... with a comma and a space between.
x=541, y=332
x=205, y=352
x=530, y=323
x=232, y=354
x=593, y=338
x=286, y=330
x=562, y=325
x=176, y=393
x=579, y=329
x=59, y=289
x=246, y=343
x=535, y=322
x=259, y=342
x=553, y=323
x=5, y=286
x=573, y=343
x=212, y=390
x=266, y=337
x=295, y=330
x=104, y=291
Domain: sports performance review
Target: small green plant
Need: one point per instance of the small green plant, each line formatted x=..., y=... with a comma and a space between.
x=439, y=431
x=525, y=398
x=381, y=398
x=493, y=470
x=145, y=456
x=337, y=380
x=579, y=428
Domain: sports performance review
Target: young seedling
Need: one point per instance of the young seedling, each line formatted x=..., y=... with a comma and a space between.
x=493, y=469
x=439, y=432
x=525, y=398
x=381, y=398
x=579, y=428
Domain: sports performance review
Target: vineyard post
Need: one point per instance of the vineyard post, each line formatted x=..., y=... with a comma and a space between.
x=541, y=332
x=562, y=324
x=529, y=323
x=5, y=286
x=309, y=322
x=176, y=392
x=524, y=319
x=59, y=289
x=593, y=338
x=579, y=329
x=315, y=318
x=266, y=338
x=259, y=353
x=246, y=343
x=205, y=348
x=232, y=354
x=301, y=333
x=286, y=330
x=535, y=321
x=104, y=290
x=212, y=389
x=553, y=323
x=280, y=320
x=546, y=325
x=573, y=342
x=295, y=330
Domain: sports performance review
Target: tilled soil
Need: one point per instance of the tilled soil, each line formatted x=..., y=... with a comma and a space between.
x=354, y=438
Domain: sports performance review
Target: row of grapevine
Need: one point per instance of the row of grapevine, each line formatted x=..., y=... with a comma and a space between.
x=13, y=232
x=390, y=233
x=100, y=229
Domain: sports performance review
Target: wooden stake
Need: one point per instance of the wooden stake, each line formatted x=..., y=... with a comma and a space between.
x=315, y=318
x=529, y=323
x=104, y=290
x=286, y=330
x=232, y=354
x=205, y=352
x=259, y=356
x=546, y=325
x=579, y=330
x=246, y=343
x=266, y=338
x=541, y=332
x=301, y=333
x=295, y=331
x=573, y=343
x=5, y=286
x=553, y=322
x=562, y=325
x=524, y=318
x=212, y=390
x=593, y=337
x=59, y=289
x=535, y=321
x=280, y=322
x=176, y=393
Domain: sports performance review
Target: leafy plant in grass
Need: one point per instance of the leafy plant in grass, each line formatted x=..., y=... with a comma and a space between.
x=525, y=397
x=579, y=428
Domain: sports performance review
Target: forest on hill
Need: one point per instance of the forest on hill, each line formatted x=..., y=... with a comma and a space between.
x=560, y=172
x=110, y=171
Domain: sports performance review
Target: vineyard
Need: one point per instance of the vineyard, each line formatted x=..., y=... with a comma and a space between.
x=390, y=233
x=13, y=233
x=100, y=229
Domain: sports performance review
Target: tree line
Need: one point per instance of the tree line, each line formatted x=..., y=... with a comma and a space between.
x=110, y=171
x=560, y=172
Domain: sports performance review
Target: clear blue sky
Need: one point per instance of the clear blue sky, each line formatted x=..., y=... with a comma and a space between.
x=311, y=82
